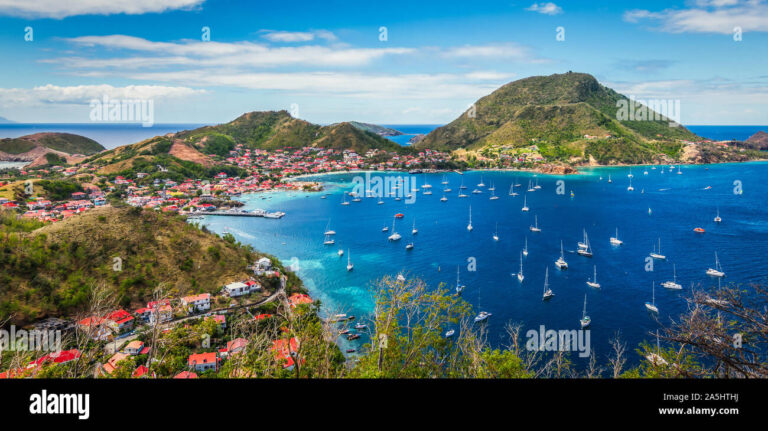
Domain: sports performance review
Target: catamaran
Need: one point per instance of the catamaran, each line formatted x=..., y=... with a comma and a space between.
x=560, y=262
x=717, y=271
x=585, y=320
x=329, y=240
x=672, y=284
x=651, y=306
x=328, y=230
x=593, y=282
x=520, y=276
x=630, y=173
x=525, y=204
x=658, y=255
x=395, y=236
x=496, y=234
x=349, y=262
x=459, y=287
x=547, y=291
x=493, y=193
x=535, y=227
x=340, y=252
x=584, y=248
x=717, y=217
x=469, y=226
x=525, y=250
x=615, y=239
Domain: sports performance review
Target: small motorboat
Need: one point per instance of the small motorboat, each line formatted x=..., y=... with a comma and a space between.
x=351, y=337
x=449, y=333
x=483, y=316
x=359, y=326
x=699, y=230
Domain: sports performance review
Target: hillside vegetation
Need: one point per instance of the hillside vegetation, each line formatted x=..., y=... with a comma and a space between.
x=559, y=110
x=50, y=270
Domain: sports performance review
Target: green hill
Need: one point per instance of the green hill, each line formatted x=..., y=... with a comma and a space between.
x=63, y=142
x=271, y=130
x=51, y=270
x=557, y=111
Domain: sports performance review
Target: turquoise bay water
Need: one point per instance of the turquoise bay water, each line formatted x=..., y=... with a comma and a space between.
x=678, y=202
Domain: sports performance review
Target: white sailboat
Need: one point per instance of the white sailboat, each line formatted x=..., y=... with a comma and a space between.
x=630, y=188
x=717, y=217
x=512, y=191
x=328, y=230
x=536, y=185
x=445, y=180
x=395, y=236
x=530, y=186
x=443, y=199
x=658, y=255
x=496, y=234
x=525, y=250
x=329, y=240
x=469, y=226
x=547, y=291
x=414, y=231
x=717, y=271
x=615, y=239
x=459, y=287
x=651, y=306
x=560, y=262
x=492, y=187
x=462, y=186
x=585, y=320
x=525, y=204
x=520, y=276
x=672, y=284
x=630, y=173
x=344, y=199
x=609, y=178
x=535, y=227
x=340, y=252
x=493, y=193
x=593, y=282
x=586, y=250
x=481, y=183
x=350, y=267
x=482, y=316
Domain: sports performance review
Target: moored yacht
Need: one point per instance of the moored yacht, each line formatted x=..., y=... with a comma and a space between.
x=672, y=284
x=717, y=271
x=560, y=262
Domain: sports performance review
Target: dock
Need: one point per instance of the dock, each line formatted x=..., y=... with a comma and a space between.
x=241, y=213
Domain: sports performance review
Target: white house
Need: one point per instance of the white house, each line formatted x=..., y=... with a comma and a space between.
x=197, y=303
x=239, y=288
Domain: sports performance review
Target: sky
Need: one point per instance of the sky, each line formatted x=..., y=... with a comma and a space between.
x=393, y=62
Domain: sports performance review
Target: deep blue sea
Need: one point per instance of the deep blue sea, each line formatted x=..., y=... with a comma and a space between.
x=679, y=203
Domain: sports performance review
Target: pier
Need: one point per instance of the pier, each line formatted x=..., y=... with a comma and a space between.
x=240, y=213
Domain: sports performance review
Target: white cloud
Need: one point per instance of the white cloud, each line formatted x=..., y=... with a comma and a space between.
x=708, y=16
x=217, y=54
x=337, y=84
x=83, y=94
x=508, y=51
x=63, y=8
x=548, y=8
x=297, y=36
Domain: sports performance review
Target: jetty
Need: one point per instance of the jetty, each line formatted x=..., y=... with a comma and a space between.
x=243, y=213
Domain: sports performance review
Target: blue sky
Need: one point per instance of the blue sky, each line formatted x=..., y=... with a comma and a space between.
x=330, y=61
